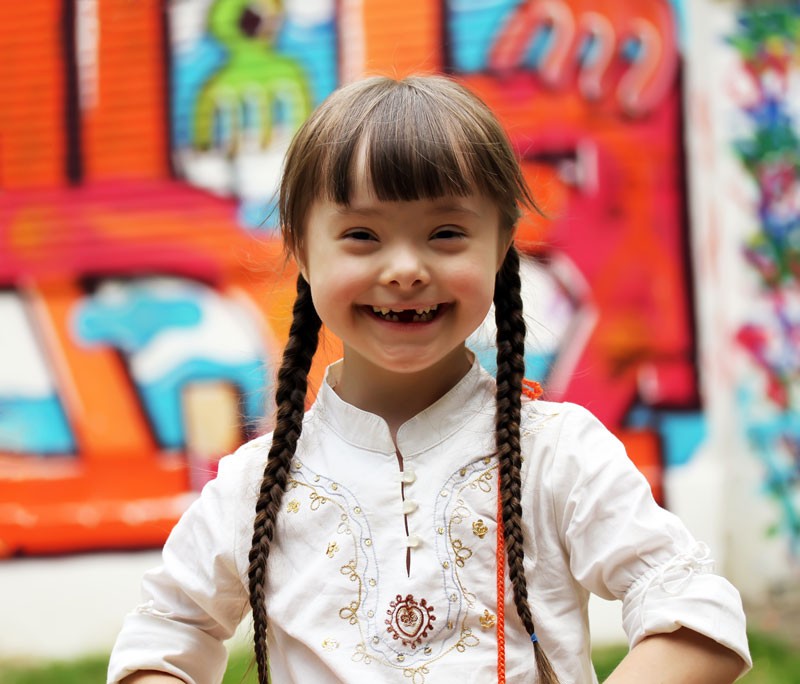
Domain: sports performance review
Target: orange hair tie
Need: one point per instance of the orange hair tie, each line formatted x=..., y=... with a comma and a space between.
x=501, y=588
x=531, y=389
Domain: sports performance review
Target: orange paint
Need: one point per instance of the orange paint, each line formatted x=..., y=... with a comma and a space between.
x=32, y=97
x=124, y=126
x=416, y=48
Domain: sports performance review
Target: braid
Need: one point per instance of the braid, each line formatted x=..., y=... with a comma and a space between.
x=510, y=371
x=290, y=396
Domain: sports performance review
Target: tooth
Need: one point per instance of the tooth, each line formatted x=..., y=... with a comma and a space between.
x=394, y=319
x=420, y=311
x=416, y=319
x=398, y=310
x=376, y=309
x=434, y=307
x=385, y=310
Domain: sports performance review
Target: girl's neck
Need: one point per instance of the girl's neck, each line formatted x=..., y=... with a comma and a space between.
x=398, y=397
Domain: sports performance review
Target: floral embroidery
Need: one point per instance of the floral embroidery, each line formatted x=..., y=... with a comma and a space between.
x=479, y=528
x=487, y=620
x=409, y=620
x=330, y=644
x=333, y=547
x=293, y=506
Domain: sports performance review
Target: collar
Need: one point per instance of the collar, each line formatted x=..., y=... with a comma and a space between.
x=471, y=396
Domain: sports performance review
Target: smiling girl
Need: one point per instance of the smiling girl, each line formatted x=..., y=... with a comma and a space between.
x=423, y=522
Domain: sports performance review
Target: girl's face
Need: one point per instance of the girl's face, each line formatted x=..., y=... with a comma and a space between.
x=403, y=283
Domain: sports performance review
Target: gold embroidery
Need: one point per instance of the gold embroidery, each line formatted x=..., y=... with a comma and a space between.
x=467, y=639
x=487, y=620
x=483, y=482
x=293, y=506
x=479, y=528
x=316, y=500
x=333, y=547
x=330, y=644
x=349, y=612
x=361, y=655
x=349, y=571
x=462, y=552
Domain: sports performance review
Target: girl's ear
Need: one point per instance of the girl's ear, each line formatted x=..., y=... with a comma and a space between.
x=299, y=259
x=506, y=239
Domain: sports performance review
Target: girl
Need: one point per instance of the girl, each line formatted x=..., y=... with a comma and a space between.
x=422, y=522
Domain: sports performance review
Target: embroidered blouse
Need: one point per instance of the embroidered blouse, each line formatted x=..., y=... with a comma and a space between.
x=386, y=574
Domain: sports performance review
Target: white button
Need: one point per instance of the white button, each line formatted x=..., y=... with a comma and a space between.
x=410, y=506
x=408, y=476
x=413, y=541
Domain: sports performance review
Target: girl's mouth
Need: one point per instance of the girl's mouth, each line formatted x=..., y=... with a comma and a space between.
x=422, y=315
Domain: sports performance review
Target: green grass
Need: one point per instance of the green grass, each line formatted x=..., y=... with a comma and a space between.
x=775, y=663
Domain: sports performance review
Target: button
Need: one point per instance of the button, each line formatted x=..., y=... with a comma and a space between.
x=409, y=506
x=413, y=541
x=408, y=476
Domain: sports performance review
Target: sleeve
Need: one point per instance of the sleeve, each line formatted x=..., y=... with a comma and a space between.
x=622, y=544
x=196, y=598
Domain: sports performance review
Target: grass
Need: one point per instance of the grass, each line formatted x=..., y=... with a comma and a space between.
x=775, y=663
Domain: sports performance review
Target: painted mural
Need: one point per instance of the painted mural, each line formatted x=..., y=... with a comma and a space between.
x=145, y=296
x=767, y=43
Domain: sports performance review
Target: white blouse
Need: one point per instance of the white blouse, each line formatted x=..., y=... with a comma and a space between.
x=383, y=573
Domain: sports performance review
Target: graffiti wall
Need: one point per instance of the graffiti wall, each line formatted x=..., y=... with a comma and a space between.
x=745, y=141
x=145, y=296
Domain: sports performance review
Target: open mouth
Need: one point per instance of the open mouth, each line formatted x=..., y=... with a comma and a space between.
x=423, y=315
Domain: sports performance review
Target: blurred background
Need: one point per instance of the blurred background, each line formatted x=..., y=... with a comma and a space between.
x=144, y=294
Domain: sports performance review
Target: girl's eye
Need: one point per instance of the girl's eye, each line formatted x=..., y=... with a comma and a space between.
x=359, y=234
x=448, y=233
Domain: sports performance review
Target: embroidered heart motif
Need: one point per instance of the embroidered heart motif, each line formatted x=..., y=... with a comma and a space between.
x=409, y=621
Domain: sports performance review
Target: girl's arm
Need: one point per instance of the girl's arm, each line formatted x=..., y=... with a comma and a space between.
x=680, y=657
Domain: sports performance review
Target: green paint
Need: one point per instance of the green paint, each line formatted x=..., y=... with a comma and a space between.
x=255, y=77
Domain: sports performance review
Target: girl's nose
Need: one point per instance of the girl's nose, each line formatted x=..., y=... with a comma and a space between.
x=405, y=268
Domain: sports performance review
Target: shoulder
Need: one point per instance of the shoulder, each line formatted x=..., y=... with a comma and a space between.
x=242, y=470
x=553, y=420
x=567, y=444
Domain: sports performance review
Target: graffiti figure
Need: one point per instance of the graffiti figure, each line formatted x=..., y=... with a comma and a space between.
x=257, y=89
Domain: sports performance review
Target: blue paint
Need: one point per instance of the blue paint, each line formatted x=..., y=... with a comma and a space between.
x=162, y=399
x=472, y=27
x=260, y=214
x=775, y=437
x=314, y=48
x=36, y=426
x=681, y=432
x=191, y=68
x=134, y=319
x=537, y=365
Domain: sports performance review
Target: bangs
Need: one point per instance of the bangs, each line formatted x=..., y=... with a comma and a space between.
x=405, y=149
x=420, y=138
x=401, y=154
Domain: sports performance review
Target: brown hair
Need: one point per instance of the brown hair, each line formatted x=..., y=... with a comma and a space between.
x=422, y=137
